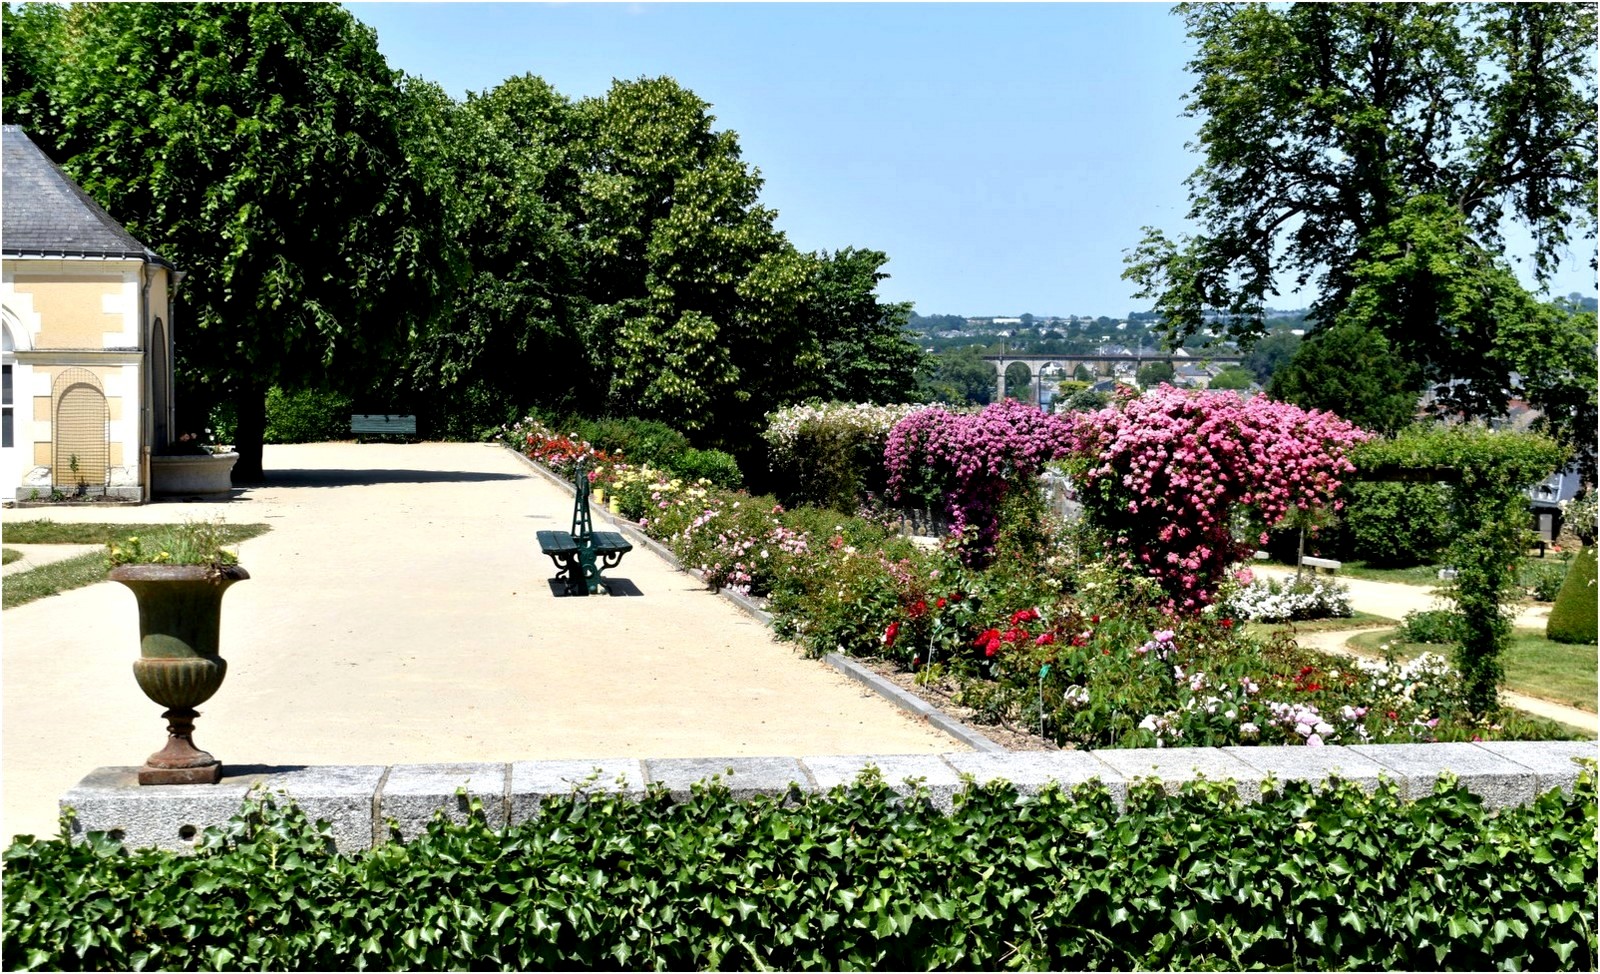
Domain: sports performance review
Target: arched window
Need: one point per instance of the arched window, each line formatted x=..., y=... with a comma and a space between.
x=160, y=384
x=82, y=447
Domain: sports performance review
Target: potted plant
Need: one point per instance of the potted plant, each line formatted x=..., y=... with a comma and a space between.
x=192, y=466
x=178, y=577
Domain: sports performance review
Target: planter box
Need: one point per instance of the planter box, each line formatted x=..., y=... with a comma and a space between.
x=193, y=476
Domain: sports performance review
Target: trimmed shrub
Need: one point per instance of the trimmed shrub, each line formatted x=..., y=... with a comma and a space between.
x=638, y=441
x=1307, y=877
x=1397, y=525
x=1431, y=626
x=713, y=465
x=306, y=416
x=1573, y=617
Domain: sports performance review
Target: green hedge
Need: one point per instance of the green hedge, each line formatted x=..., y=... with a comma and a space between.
x=1308, y=878
x=306, y=416
x=1575, y=616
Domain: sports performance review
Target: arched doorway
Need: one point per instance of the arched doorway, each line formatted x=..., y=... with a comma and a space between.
x=80, y=457
x=160, y=386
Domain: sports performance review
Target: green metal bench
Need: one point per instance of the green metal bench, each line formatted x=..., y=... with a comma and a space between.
x=367, y=425
x=582, y=555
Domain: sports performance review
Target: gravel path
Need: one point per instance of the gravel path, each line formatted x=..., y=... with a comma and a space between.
x=400, y=612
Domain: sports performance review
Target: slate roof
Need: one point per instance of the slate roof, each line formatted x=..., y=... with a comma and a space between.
x=43, y=213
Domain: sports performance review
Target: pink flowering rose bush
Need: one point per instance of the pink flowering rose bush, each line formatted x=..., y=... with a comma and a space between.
x=1163, y=476
x=968, y=463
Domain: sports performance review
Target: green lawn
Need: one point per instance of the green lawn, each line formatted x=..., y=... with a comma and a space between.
x=1534, y=665
x=85, y=569
x=46, y=531
x=9, y=555
x=1428, y=575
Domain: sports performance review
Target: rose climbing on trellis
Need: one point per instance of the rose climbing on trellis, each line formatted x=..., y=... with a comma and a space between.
x=1164, y=474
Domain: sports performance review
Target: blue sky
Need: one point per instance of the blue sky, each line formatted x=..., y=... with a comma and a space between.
x=1003, y=155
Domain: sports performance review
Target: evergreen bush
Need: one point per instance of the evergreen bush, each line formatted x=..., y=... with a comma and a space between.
x=713, y=465
x=306, y=416
x=1573, y=617
x=1307, y=877
x=1397, y=525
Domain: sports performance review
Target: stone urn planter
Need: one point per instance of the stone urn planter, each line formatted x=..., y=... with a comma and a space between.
x=180, y=615
x=196, y=475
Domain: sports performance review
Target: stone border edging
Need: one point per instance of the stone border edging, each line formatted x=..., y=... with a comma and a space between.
x=359, y=801
x=909, y=702
x=913, y=704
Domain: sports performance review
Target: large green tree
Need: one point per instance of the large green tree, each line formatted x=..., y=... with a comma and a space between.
x=671, y=226
x=1351, y=369
x=260, y=147
x=1379, y=152
x=505, y=165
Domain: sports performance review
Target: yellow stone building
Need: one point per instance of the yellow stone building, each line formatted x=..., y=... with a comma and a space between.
x=87, y=314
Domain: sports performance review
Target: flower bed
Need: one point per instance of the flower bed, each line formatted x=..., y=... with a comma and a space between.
x=1050, y=630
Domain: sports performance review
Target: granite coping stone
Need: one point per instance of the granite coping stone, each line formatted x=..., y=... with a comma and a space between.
x=1555, y=762
x=533, y=781
x=1176, y=766
x=1311, y=764
x=412, y=793
x=1499, y=781
x=938, y=777
x=358, y=800
x=743, y=777
x=1030, y=771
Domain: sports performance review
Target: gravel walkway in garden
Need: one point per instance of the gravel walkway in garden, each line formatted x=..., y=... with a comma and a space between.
x=399, y=612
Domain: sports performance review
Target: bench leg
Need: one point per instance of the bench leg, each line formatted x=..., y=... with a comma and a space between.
x=570, y=571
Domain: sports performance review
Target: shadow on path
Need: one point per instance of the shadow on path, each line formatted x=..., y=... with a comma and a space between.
x=615, y=587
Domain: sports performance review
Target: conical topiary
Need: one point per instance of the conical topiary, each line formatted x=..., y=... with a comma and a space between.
x=1573, y=617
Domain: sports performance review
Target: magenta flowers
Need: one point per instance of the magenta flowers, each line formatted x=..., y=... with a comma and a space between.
x=967, y=462
x=1164, y=475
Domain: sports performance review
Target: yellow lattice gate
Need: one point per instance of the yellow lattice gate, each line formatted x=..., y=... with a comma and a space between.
x=82, y=447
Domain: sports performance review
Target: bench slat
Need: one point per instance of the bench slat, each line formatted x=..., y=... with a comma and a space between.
x=557, y=543
x=383, y=425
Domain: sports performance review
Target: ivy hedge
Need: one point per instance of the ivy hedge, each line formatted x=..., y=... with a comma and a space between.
x=1310, y=877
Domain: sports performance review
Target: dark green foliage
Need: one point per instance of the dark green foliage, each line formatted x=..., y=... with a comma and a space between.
x=959, y=376
x=307, y=416
x=263, y=149
x=1155, y=373
x=1305, y=878
x=1270, y=354
x=1431, y=626
x=1573, y=617
x=1397, y=525
x=1085, y=400
x=1490, y=470
x=1351, y=370
x=637, y=441
x=713, y=465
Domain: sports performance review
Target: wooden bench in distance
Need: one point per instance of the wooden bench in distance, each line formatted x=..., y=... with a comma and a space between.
x=1327, y=564
x=362, y=425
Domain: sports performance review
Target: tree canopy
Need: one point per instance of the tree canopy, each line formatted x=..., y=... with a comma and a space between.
x=345, y=226
x=1380, y=152
x=260, y=147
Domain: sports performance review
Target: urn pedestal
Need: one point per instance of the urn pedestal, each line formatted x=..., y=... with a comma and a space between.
x=180, y=617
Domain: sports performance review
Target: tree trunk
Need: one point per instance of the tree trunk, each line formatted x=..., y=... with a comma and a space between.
x=251, y=412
